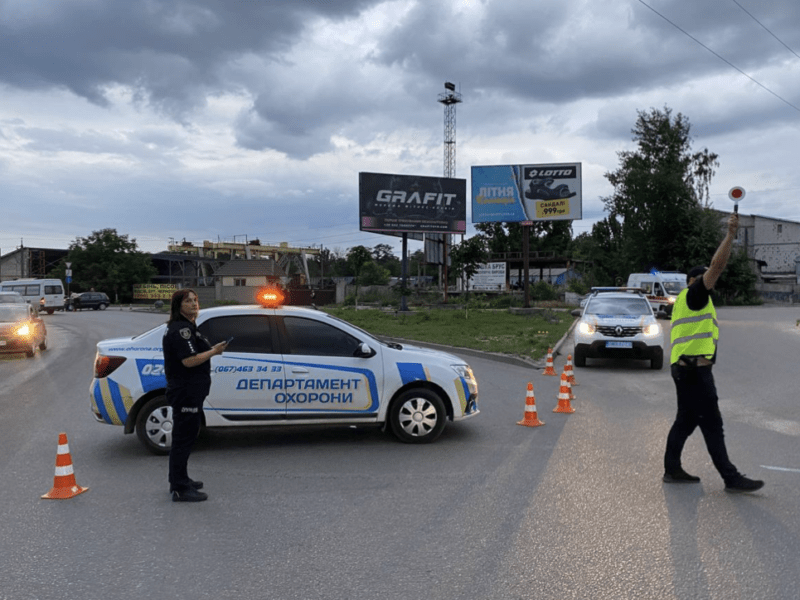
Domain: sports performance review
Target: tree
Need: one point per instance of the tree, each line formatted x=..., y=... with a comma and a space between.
x=357, y=257
x=107, y=262
x=468, y=256
x=546, y=236
x=384, y=256
x=373, y=274
x=660, y=193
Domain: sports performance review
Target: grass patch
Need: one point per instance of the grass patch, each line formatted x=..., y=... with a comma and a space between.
x=528, y=336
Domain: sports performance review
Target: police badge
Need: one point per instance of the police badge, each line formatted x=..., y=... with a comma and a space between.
x=186, y=333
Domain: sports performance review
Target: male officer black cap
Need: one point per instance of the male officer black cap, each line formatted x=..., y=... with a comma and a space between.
x=695, y=272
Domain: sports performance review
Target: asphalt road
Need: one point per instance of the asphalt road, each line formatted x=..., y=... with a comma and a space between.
x=573, y=509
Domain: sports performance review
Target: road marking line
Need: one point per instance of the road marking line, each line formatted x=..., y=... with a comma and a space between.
x=780, y=469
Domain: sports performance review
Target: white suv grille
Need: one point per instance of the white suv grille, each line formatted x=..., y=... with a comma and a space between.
x=618, y=331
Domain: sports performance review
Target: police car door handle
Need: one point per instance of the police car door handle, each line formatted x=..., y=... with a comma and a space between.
x=300, y=370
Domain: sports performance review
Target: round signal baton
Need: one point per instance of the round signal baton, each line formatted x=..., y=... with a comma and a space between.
x=736, y=194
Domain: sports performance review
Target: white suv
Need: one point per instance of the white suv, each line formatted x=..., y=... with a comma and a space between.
x=618, y=323
x=286, y=366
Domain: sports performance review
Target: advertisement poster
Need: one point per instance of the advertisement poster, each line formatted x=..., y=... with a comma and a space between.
x=519, y=193
x=153, y=291
x=490, y=276
x=412, y=203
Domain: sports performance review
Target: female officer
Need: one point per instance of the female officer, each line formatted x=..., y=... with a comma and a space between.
x=187, y=355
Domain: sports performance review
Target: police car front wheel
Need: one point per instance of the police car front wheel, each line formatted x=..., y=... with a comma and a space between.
x=417, y=416
x=154, y=425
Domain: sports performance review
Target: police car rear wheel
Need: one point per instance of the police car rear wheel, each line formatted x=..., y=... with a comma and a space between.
x=417, y=416
x=154, y=425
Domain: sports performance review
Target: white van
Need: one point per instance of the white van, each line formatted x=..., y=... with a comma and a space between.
x=661, y=288
x=43, y=294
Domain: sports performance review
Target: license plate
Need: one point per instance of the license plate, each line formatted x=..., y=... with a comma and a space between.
x=619, y=344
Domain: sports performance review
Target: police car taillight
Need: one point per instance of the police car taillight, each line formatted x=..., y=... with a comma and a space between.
x=270, y=297
x=105, y=365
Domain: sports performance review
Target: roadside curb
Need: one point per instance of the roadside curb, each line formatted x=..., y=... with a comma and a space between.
x=509, y=359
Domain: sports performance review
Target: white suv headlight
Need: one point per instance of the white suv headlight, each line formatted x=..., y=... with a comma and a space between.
x=652, y=330
x=586, y=328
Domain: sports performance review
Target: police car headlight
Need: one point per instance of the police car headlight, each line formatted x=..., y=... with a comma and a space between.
x=23, y=331
x=652, y=330
x=586, y=328
x=465, y=372
x=671, y=299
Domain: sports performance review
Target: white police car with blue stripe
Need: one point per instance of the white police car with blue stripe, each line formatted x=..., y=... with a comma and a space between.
x=286, y=366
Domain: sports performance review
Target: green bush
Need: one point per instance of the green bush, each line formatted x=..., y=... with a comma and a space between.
x=541, y=290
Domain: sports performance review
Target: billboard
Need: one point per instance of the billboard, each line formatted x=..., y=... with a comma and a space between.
x=489, y=277
x=518, y=193
x=412, y=203
x=153, y=291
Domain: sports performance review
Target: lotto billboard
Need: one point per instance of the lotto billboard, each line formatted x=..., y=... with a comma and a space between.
x=412, y=203
x=518, y=193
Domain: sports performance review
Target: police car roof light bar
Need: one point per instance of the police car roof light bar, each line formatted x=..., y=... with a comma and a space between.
x=595, y=290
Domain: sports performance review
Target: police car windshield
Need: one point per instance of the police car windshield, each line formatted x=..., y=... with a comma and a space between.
x=11, y=313
x=618, y=306
x=674, y=287
x=356, y=327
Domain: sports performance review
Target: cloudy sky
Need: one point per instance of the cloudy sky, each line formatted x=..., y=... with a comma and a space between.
x=241, y=119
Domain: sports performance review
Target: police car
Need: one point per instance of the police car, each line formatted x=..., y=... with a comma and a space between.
x=618, y=323
x=286, y=366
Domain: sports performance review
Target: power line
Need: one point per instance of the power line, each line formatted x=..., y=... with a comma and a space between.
x=765, y=28
x=723, y=59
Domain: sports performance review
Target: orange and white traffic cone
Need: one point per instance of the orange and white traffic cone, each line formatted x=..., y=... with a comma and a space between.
x=64, y=484
x=549, y=370
x=570, y=372
x=569, y=383
x=563, y=397
x=531, y=418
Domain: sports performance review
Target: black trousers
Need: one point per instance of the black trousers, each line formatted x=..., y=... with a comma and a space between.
x=187, y=416
x=698, y=406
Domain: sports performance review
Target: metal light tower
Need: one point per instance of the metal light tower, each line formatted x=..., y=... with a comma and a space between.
x=449, y=99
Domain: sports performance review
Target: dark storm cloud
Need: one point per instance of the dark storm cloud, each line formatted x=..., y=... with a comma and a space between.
x=168, y=50
x=555, y=52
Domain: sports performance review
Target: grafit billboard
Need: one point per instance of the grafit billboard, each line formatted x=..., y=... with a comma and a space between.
x=412, y=203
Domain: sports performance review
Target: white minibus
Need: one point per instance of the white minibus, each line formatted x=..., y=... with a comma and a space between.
x=44, y=294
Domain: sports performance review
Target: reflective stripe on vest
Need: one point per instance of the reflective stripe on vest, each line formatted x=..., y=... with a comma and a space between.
x=694, y=332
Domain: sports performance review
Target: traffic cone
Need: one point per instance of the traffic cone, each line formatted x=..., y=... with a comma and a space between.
x=563, y=397
x=569, y=383
x=64, y=484
x=531, y=418
x=549, y=370
x=569, y=371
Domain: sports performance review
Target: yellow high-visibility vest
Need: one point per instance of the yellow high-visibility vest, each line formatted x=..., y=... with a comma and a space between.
x=694, y=332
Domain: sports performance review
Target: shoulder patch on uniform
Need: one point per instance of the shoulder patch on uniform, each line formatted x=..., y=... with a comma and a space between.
x=186, y=333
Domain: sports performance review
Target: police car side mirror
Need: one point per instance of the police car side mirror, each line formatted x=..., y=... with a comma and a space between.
x=364, y=351
x=576, y=312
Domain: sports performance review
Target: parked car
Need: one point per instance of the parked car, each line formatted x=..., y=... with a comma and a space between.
x=93, y=300
x=11, y=298
x=21, y=329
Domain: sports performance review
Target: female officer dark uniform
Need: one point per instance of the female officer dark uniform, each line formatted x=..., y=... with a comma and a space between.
x=187, y=366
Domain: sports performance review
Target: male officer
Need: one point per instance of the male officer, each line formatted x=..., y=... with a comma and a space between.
x=694, y=351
